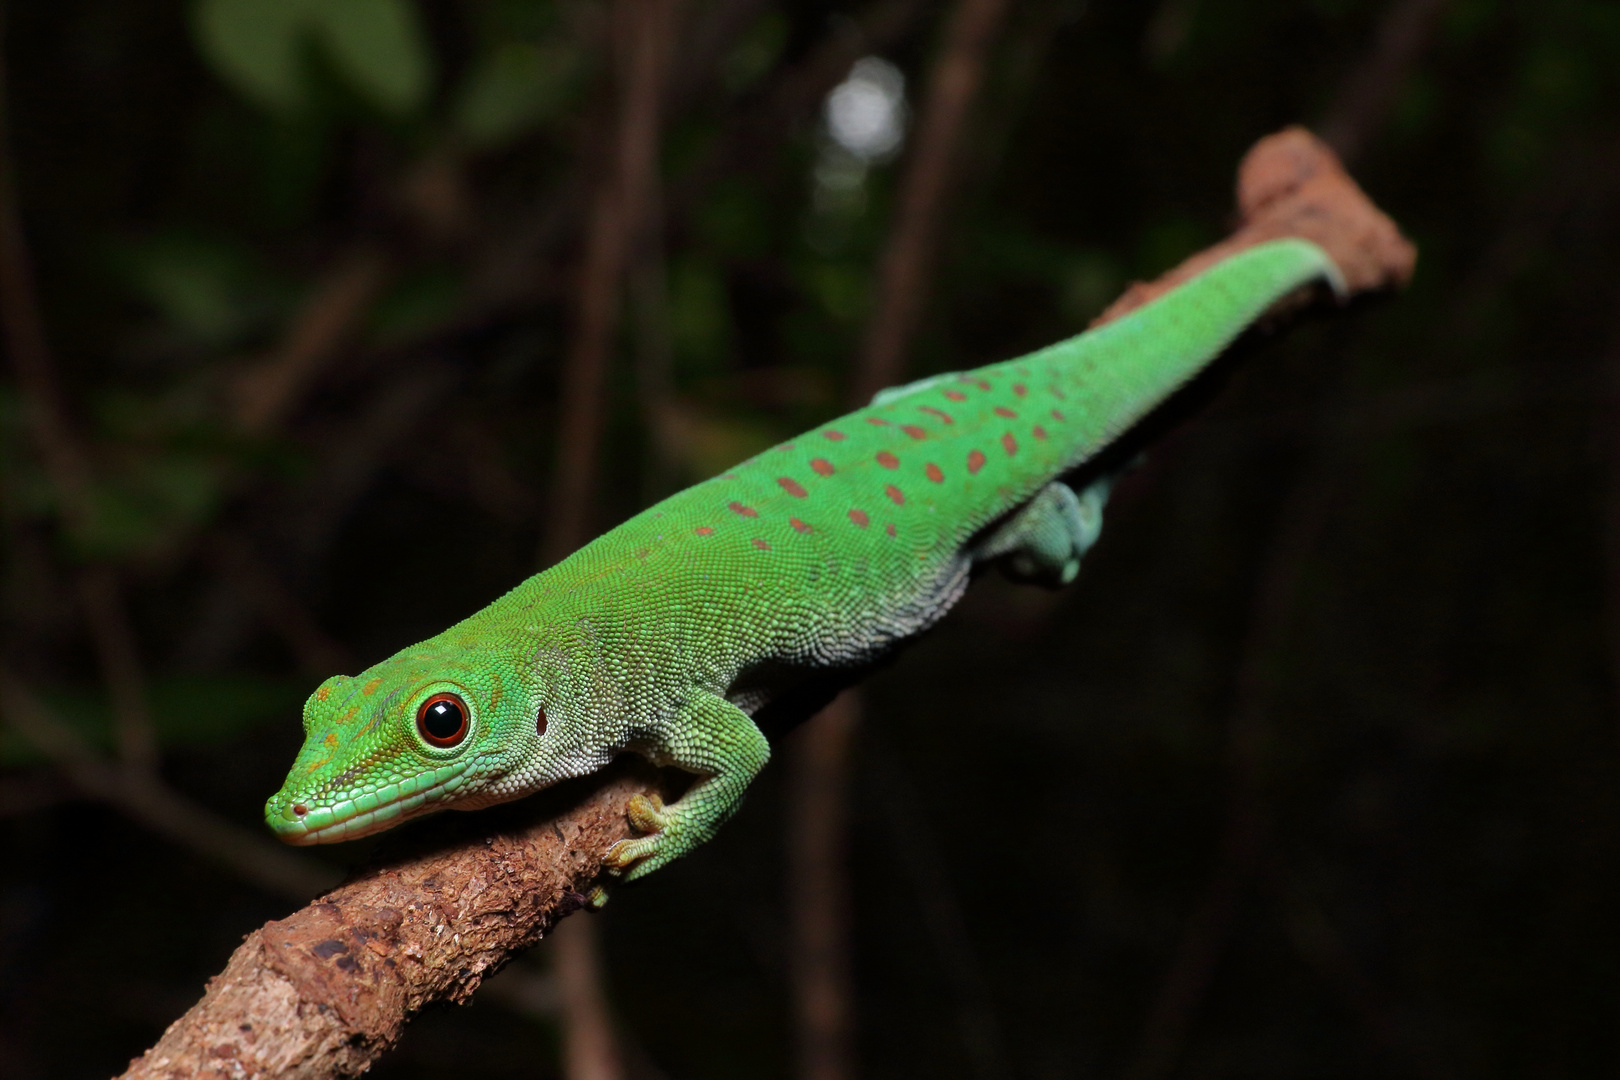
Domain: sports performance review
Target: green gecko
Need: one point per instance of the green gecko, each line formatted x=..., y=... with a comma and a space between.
x=756, y=595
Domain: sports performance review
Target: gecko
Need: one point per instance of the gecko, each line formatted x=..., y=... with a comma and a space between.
x=689, y=632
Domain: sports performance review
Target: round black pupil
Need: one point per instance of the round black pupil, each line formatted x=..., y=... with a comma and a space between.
x=443, y=720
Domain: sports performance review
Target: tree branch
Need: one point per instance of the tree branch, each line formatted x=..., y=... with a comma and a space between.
x=819, y=758
x=903, y=272
x=325, y=991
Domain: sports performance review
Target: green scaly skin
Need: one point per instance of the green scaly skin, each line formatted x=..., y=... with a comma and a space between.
x=765, y=587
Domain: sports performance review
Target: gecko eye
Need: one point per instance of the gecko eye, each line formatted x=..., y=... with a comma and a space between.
x=442, y=721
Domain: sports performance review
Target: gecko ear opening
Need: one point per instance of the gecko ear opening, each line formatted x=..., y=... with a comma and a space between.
x=540, y=722
x=442, y=721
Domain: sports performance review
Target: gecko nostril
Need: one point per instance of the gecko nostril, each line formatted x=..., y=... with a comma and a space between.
x=300, y=809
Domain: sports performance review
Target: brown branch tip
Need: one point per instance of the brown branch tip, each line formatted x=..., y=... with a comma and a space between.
x=325, y=991
x=1292, y=184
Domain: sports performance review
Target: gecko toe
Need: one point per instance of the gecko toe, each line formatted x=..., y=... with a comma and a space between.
x=646, y=813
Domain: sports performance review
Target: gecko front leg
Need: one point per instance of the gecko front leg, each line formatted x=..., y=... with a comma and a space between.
x=716, y=740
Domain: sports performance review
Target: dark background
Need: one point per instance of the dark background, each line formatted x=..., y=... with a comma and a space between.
x=1331, y=711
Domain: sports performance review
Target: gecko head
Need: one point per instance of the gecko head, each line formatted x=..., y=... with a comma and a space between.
x=425, y=730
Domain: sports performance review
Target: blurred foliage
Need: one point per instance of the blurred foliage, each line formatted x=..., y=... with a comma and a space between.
x=1439, y=744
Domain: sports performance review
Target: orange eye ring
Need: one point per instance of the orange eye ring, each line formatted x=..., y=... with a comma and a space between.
x=442, y=721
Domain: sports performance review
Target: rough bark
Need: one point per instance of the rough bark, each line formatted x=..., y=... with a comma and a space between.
x=325, y=991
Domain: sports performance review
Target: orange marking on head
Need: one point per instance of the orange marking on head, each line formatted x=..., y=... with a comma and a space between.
x=889, y=528
x=798, y=526
x=323, y=693
x=822, y=466
x=956, y=395
x=934, y=473
x=331, y=739
x=1002, y=410
x=835, y=436
x=878, y=420
x=1039, y=432
x=975, y=461
x=1009, y=444
x=887, y=460
x=859, y=517
x=371, y=687
x=762, y=545
x=792, y=487
x=914, y=431
x=704, y=530
x=1020, y=389
x=745, y=511
x=931, y=411
x=895, y=494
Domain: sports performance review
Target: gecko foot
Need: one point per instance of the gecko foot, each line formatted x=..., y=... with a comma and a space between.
x=662, y=844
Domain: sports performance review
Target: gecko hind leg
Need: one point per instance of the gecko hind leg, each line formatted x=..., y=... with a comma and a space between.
x=892, y=393
x=716, y=740
x=1043, y=543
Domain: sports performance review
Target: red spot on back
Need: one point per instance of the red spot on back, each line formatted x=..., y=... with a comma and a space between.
x=822, y=466
x=704, y=530
x=1056, y=415
x=1057, y=391
x=745, y=511
x=914, y=431
x=956, y=395
x=859, y=517
x=1009, y=444
x=1039, y=432
x=785, y=446
x=798, y=526
x=895, y=494
x=887, y=460
x=762, y=545
x=878, y=420
x=835, y=436
x=1002, y=410
x=934, y=473
x=945, y=416
x=981, y=384
x=975, y=461
x=1020, y=389
x=889, y=528
x=792, y=487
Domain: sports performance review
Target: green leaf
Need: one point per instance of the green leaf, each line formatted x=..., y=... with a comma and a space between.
x=255, y=46
x=516, y=87
x=379, y=46
x=207, y=292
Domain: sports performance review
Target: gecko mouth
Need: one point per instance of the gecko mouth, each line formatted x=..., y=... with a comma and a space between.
x=300, y=823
